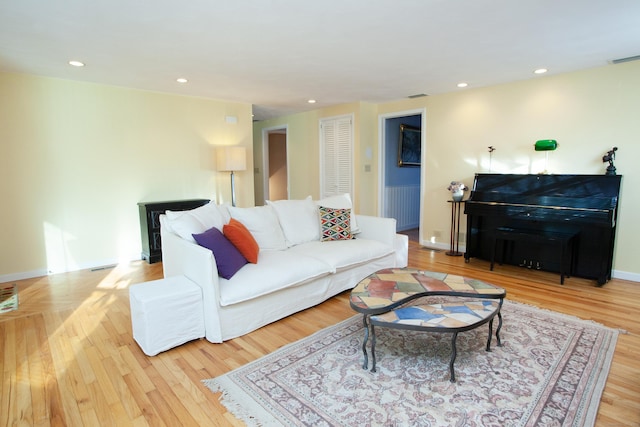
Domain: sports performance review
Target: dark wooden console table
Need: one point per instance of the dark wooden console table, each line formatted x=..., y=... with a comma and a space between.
x=150, y=224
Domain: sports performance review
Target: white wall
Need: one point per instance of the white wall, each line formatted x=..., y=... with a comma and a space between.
x=76, y=158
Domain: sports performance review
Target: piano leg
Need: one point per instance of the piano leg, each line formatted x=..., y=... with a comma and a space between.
x=493, y=251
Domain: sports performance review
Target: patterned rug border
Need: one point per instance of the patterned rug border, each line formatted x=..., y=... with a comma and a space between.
x=255, y=411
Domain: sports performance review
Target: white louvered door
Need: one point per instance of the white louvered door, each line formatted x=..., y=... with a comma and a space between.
x=336, y=156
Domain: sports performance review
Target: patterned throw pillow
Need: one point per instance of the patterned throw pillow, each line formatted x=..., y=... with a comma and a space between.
x=335, y=224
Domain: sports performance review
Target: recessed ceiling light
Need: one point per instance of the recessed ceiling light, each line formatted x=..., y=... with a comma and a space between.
x=540, y=71
x=182, y=80
x=463, y=84
x=76, y=63
x=311, y=101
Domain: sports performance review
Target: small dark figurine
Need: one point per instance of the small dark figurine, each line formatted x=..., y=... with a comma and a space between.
x=491, y=150
x=610, y=157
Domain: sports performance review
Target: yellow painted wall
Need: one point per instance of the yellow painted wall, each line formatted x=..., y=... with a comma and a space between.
x=588, y=112
x=302, y=155
x=76, y=158
x=303, y=145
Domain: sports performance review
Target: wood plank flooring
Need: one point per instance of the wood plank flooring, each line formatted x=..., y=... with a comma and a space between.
x=68, y=357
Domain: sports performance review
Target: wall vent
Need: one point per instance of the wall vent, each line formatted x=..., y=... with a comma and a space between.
x=627, y=59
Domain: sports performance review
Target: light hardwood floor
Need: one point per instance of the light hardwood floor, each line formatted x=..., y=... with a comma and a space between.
x=68, y=357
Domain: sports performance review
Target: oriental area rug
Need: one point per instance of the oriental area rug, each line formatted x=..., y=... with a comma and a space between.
x=8, y=298
x=550, y=370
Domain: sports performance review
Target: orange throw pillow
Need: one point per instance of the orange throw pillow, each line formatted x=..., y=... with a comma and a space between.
x=242, y=239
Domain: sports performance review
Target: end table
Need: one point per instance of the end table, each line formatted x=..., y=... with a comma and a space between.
x=455, y=228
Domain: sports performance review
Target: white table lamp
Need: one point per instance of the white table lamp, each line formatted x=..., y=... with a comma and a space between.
x=231, y=159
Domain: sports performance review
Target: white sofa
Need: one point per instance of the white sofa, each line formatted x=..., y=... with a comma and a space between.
x=288, y=277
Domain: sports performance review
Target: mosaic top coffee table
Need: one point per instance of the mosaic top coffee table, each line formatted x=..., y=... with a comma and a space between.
x=383, y=299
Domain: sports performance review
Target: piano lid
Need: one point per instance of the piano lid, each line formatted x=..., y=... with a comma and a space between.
x=598, y=192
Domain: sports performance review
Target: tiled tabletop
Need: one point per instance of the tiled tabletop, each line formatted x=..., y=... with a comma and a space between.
x=386, y=289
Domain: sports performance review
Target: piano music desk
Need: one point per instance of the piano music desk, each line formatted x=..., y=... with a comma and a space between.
x=563, y=241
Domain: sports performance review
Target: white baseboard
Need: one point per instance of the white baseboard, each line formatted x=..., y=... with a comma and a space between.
x=23, y=275
x=625, y=275
x=441, y=246
x=12, y=277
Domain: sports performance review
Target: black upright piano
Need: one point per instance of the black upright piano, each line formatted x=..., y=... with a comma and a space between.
x=584, y=206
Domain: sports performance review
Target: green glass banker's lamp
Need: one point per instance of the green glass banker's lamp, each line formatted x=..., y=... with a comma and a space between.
x=546, y=145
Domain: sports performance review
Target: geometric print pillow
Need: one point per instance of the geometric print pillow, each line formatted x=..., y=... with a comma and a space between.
x=335, y=224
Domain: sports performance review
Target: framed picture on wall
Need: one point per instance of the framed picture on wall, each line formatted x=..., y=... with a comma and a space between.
x=409, y=146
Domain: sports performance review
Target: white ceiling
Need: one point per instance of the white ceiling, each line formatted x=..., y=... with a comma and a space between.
x=277, y=54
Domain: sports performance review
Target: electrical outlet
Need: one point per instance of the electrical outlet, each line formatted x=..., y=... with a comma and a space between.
x=437, y=233
x=367, y=168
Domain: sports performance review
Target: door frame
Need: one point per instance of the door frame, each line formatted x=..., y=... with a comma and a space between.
x=382, y=121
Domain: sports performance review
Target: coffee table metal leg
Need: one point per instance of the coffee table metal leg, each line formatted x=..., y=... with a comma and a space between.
x=373, y=348
x=490, y=335
x=453, y=357
x=365, y=365
x=499, y=327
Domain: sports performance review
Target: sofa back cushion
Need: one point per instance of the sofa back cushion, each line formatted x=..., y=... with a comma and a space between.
x=299, y=220
x=195, y=221
x=263, y=224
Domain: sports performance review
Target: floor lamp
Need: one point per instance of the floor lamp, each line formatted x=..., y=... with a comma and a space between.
x=232, y=159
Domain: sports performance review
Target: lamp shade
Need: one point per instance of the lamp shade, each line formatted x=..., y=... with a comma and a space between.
x=546, y=145
x=231, y=158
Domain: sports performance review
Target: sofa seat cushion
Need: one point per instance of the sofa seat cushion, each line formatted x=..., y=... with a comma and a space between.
x=275, y=270
x=340, y=254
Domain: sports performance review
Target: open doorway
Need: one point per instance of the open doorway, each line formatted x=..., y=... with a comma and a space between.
x=400, y=185
x=276, y=175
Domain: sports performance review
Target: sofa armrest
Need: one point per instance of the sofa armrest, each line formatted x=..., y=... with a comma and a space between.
x=183, y=258
x=377, y=228
x=401, y=247
x=384, y=230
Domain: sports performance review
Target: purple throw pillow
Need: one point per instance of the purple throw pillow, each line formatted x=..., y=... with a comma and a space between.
x=228, y=257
